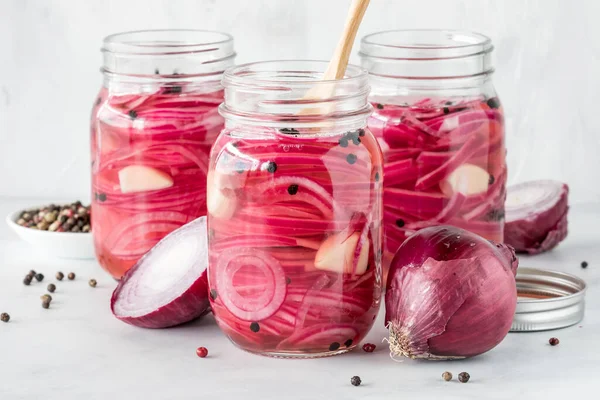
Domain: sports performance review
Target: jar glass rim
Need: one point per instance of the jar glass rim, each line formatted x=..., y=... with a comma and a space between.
x=272, y=91
x=165, y=41
x=424, y=44
x=295, y=74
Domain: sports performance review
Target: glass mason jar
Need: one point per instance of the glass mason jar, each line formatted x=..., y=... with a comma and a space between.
x=294, y=211
x=441, y=129
x=152, y=127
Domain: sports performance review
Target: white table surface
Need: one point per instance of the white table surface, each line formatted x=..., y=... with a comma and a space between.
x=78, y=350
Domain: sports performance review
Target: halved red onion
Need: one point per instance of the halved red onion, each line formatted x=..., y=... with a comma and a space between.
x=536, y=215
x=168, y=286
x=450, y=294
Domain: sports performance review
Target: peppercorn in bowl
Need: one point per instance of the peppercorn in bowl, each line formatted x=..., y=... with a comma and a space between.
x=60, y=230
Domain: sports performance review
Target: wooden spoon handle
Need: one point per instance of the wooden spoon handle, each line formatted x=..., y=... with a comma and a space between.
x=337, y=66
x=336, y=69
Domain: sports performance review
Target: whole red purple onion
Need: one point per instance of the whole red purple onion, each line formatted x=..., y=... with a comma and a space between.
x=450, y=294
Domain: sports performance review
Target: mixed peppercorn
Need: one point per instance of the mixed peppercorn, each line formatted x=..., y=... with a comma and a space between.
x=464, y=377
x=369, y=347
x=355, y=381
x=73, y=217
x=46, y=298
x=202, y=352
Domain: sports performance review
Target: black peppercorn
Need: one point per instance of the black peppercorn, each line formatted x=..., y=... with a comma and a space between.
x=287, y=280
x=355, y=381
x=553, y=341
x=32, y=273
x=132, y=114
x=4, y=317
x=213, y=294
x=493, y=102
x=361, y=132
x=399, y=223
x=351, y=158
x=271, y=167
x=39, y=277
x=356, y=140
x=491, y=180
x=156, y=71
x=60, y=276
x=51, y=287
x=92, y=282
x=334, y=346
x=292, y=189
x=289, y=131
x=344, y=142
x=98, y=101
x=464, y=377
x=46, y=304
x=240, y=168
x=71, y=276
x=173, y=90
x=101, y=197
x=27, y=280
x=376, y=176
x=584, y=264
x=446, y=110
x=348, y=343
x=380, y=106
x=447, y=376
x=254, y=327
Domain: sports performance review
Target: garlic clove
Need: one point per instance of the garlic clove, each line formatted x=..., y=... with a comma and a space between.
x=140, y=178
x=468, y=179
x=218, y=203
x=338, y=254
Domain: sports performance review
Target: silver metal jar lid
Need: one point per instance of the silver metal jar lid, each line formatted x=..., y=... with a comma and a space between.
x=547, y=300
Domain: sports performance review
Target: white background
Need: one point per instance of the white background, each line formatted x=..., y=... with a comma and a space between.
x=547, y=57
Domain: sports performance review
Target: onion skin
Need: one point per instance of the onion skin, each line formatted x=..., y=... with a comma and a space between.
x=192, y=304
x=540, y=231
x=450, y=294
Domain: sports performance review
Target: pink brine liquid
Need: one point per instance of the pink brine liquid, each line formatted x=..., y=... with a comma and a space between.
x=150, y=155
x=444, y=164
x=294, y=239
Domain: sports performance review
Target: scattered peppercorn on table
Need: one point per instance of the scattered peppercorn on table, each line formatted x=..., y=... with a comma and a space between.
x=76, y=349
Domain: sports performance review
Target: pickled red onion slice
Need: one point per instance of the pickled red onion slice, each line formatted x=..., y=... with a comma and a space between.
x=260, y=304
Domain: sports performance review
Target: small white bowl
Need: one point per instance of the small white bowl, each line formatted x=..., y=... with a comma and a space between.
x=77, y=245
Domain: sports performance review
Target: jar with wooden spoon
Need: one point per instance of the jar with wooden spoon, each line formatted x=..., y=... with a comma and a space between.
x=294, y=212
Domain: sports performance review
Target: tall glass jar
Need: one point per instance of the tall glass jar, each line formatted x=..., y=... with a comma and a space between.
x=294, y=211
x=441, y=129
x=152, y=127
